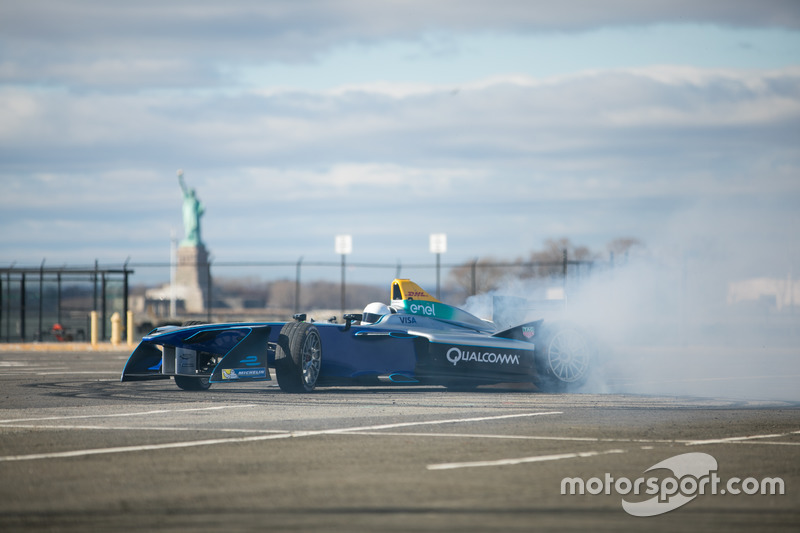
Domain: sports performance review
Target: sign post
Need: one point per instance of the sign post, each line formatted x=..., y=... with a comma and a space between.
x=344, y=247
x=438, y=246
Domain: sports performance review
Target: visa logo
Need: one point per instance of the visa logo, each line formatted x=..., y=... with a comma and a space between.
x=408, y=320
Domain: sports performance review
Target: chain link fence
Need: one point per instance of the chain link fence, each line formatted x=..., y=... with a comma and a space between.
x=54, y=304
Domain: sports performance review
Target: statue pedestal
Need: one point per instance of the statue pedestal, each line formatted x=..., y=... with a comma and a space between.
x=192, y=276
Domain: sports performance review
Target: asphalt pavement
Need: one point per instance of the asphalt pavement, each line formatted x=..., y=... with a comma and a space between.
x=81, y=451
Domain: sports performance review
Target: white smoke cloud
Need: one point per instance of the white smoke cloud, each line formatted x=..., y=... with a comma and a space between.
x=664, y=326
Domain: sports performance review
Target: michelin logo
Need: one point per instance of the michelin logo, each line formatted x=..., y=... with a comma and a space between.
x=244, y=373
x=454, y=355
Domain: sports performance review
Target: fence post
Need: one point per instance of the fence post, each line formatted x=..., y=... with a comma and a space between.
x=58, y=297
x=298, y=267
x=22, y=307
x=125, y=291
x=104, y=310
x=41, y=303
x=474, y=268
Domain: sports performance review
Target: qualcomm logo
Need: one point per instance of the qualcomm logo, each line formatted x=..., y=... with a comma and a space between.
x=454, y=355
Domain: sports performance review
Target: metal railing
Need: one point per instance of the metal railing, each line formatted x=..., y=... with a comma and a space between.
x=38, y=303
x=34, y=299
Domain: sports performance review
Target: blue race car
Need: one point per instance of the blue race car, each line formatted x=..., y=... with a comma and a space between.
x=415, y=339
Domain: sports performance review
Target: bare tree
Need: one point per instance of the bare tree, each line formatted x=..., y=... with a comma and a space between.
x=481, y=275
x=623, y=246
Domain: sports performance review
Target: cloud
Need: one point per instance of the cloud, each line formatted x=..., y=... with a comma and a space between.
x=100, y=104
x=567, y=126
x=97, y=44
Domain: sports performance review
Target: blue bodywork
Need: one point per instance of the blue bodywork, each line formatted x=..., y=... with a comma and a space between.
x=406, y=346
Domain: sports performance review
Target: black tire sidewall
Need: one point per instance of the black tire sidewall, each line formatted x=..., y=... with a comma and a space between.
x=289, y=356
x=192, y=383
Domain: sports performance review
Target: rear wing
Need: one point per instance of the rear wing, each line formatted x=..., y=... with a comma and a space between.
x=410, y=298
x=405, y=289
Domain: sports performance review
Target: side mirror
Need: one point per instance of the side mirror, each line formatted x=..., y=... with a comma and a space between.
x=350, y=318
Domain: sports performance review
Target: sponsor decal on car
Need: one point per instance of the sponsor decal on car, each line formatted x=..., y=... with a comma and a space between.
x=528, y=332
x=456, y=355
x=429, y=309
x=422, y=309
x=416, y=294
x=250, y=360
x=244, y=373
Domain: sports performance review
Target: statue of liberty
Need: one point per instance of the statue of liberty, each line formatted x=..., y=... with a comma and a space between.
x=192, y=211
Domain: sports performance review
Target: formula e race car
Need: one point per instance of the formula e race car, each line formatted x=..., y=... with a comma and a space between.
x=415, y=339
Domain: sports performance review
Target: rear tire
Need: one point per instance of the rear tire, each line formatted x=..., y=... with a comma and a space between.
x=298, y=357
x=566, y=358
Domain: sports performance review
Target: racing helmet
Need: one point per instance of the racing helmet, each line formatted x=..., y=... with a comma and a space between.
x=373, y=312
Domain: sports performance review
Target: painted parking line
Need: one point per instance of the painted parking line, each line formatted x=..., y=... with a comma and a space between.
x=140, y=428
x=521, y=460
x=258, y=438
x=742, y=439
x=72, y=372
x=520, y=437
x=449, y=421
x=117, y=415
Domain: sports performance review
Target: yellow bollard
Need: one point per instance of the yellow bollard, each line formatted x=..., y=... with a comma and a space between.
x=116, y=329
x=93, y=327
x=129, y=329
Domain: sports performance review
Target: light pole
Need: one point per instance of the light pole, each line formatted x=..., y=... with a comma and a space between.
x=344, y=246
x=438, y=246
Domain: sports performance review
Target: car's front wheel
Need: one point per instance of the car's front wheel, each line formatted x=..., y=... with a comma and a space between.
x=298, y=357
x=192, y=383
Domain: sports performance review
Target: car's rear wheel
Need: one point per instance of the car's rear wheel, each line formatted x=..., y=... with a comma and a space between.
x=565, y=359
x=298, y=357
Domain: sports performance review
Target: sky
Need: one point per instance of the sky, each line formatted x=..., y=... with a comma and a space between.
x=501, y=124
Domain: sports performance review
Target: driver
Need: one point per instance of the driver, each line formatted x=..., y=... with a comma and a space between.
x=374, y=312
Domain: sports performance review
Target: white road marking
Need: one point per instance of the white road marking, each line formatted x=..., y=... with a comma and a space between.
x=436, y=422
x=740, y=439
x=520, y=460
x=698, y=380
x=767, y=443
x=519, y=437
x=115, y=415
x=141, y=428
x=255, y=438
x=64, y=373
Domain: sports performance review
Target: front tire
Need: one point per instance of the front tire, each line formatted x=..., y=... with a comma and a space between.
x=298, y=357
x=566, y=359
x=191, y=383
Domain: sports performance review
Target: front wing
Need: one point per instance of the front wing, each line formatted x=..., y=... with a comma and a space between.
x=221, y=352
